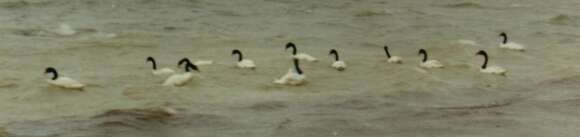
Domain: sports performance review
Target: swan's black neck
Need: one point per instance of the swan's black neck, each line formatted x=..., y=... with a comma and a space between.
x=291, y=45
x=184, y=60
x=484, y=54
x=150, y=59
x=240, y=56
x=333, y=51
x=387, y=51
x=422, y=51
x=504, y=37
x=53, y=71
x=297, y=67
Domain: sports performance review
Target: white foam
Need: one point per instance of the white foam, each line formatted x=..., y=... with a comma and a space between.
x=65, y=30
x=467, y=42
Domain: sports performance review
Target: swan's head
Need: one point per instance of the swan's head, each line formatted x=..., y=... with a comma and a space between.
x=53, y=71
x=332, y=51
x=481, y=52
x=422, y=51
x=49, y=70
x=502, y=34
x=184, y=60
x=290, y=45
x=236, y=51
x=150, y=59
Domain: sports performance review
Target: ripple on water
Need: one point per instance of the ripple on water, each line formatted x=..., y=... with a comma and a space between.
x=562, y=20
x=268, y=106
x=464, y=5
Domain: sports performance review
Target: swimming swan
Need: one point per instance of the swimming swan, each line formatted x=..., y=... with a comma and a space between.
x=184, y=78
x=508, y=44
x=425, y=63
x=63, y=82
x=243, y=63
x=337, y=64
x=490, y=69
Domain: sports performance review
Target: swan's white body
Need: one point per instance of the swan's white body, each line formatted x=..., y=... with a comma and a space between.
x=291, y=78
x=512, y=46
x=395, y=59
x=303, y=56
x=203, y=62
x=178, y=79
x=431, y=64
x=66, y=82
x=497, y=70
x=339, y=65
x=246, y=63
x=163, y=71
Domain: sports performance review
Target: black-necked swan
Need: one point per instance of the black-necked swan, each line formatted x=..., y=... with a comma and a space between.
x=425, y=63
x=392, y=59
x=294, y=76
x=300, y=56
x=63, y=82
x=490, y=69
x=508, y=44
x=337, y=64
x=183, y=78
x=162, y=71
x=243, y=63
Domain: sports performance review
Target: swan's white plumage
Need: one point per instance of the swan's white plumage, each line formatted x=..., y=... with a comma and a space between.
x=512, y=46
x=246, y=63
x=163, y=71
x=339, y=65
x=178, y=79
x=303, y=56
x=431, y=64
x=494, y=70
x=66, y=82
x=291, y=78
x=395, y=59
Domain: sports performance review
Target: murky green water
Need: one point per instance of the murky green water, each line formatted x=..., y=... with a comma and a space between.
x=538, y=97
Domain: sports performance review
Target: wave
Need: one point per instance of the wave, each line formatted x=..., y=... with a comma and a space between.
x=562, y=20
x=464, y=5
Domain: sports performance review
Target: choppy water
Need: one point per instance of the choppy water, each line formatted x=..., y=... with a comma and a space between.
x=539, y=97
